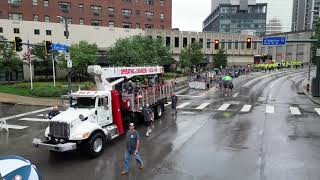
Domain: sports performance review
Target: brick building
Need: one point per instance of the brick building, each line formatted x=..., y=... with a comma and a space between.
x=135, y=14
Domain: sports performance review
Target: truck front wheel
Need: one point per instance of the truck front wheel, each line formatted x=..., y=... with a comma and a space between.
x=158, y=111
x=96, y=144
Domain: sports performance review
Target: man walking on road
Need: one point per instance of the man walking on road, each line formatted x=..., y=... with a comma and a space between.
x=133, y=144
x=174, y=101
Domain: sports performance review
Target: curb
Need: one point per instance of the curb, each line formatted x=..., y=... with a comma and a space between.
x=304, y=82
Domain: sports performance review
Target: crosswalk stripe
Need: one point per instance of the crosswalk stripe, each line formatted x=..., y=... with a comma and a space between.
x=25, y=114
x=269, y=109
x=246, y=108
x=10, y=126
x=203, y=105
x=183, y=105
x=317, y=110
x=236, y=94
x=40, y=115
x=224, y=107
x=295, y=111
x=168, y=104
x=34, y=119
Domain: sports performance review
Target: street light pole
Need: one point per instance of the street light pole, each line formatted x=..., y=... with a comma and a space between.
x=69, y=69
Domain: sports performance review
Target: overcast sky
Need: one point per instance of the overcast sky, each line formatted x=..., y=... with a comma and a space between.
x=188, y=15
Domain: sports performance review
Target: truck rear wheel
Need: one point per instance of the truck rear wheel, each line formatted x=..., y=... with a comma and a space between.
x=96, y=144
x=158, y=111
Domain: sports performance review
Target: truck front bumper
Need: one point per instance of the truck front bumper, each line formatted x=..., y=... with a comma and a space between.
x=54, y=147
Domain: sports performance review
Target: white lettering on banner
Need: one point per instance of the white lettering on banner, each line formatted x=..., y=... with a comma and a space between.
x=138, y=71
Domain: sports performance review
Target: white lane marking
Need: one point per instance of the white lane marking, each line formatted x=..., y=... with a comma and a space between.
x=25, y=114
x=317, y=110
x=189, y=96
x=269, y=109
x=236, y=94
x=246, y=108
x=183, y=105
x=10, y=126
x=34, y=119
x=224, y=107
x=295, y=111
x=203, y=105
x=168, y=104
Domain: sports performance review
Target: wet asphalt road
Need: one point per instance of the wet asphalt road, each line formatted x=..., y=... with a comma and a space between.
x=201, y=144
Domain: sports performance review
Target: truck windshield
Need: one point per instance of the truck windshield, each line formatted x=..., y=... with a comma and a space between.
x=84, y=103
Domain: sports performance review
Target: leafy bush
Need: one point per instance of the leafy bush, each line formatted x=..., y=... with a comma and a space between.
x=48, y=91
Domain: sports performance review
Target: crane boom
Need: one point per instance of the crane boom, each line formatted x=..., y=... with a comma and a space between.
x=102, y=74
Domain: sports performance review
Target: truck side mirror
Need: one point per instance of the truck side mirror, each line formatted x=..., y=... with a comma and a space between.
x=96, y=112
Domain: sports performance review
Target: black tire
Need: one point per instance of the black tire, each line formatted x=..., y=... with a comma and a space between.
x=91, y=148
x=158, y=111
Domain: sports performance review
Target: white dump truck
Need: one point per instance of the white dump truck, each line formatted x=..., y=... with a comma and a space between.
x=95, y=117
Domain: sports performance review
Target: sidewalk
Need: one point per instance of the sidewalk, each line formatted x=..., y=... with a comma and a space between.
x=308, y=94
x=25, y=100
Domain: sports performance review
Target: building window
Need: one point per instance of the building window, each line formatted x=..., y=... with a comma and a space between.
x=149, y=26
x=242, y=45
x=1, y=29
x=230, y=44
x=16, y=30
x=46, y=3
x=137, y=12
x=161, y=26
x=185, y=42
x=193, y=40
x=48, y=32
x=208, y=43
x=35, y=17
x=148, y=2
x=111, y=24
x=111, y=11
x=176, y=42
x=46, y=18
x=149, y=14
x=223, y=45
x=96, y=10
x=137, y=26
x=161, y=2
x=34, y=2
x=255, y=46
x=126, y=1
x=65, y=6
x=15, y=16
x=15, y=2
x=126, y=25
x=61, y=20
x=37, y=32
x=236, y=45
x=95, y=22
x=168, y=41
x=126, y=12
x=81, y=7
x=201, y=42
x=70, y=21
x=161, y=16
x=81, y=21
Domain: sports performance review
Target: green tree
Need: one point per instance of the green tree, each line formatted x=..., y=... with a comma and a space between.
x=220, y=59
x=10, y=62
x=192, y=55
x=139, y=51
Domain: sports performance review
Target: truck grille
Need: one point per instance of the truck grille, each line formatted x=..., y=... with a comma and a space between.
x=59, y=130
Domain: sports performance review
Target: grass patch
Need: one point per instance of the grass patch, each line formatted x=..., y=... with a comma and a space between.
x=43, y=89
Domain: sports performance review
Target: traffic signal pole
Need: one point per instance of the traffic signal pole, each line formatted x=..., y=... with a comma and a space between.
x=69, y=68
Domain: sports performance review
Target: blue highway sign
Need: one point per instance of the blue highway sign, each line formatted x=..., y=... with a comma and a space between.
x=274, y=41
x=59, y=47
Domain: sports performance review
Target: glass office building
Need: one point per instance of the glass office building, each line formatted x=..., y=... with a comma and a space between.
x=228, y=18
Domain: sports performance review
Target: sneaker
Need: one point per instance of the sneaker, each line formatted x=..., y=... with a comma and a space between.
x=141, y=167
x=147, y=134
x=124, y=173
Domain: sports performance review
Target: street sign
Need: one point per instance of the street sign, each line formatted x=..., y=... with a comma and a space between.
x=274, y=41
x=59, y=47
x=318, y=53
x=67, y=58
x=69, y=64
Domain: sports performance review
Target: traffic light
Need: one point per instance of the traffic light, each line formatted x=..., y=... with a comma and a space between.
x=48, y=47
x=17, y=43
x=249, y=42
x=216, y=44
